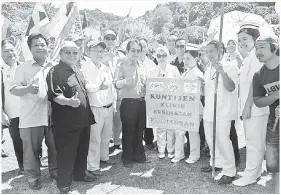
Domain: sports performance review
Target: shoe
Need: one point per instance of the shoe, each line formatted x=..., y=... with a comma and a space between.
x=175, y=160
x=20, y=171
x=170, y=155
x=208, y=169
x=190, y=161
x=117, y=147
x=240, y=173
x=225, y=179
x=129, y=165
x=243, y=182
x=4, y=154
x=65, y=190
x=36, y=185
x=161, y=155
x=95, y=173
x=109, y=161
x=150, y=146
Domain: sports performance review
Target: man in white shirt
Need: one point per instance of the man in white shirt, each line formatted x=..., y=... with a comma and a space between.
x=11, y=103
x=102, y=94
x=227, y=98
x=30, y=85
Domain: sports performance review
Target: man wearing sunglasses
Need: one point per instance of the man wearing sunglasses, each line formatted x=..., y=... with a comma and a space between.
x=131, y=80
x=102, y=94
x=178, y=61
x=226, y=111
x=72, y=117
x=112, y=58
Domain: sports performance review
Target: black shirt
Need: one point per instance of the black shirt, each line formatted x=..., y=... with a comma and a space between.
x=179, y=65
x=63, y=80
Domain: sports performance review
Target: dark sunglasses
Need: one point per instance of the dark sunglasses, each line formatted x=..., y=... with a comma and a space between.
x=108, y=38
x=135, y=50
x=161, y=56
x=180, y=46
x=75, y=53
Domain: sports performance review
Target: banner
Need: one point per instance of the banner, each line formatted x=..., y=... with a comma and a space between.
x=172, y=103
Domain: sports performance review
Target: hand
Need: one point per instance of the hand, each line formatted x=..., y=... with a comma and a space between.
x=219, y=68
x=33, y=87
x=5, y=119
x=277, y=114
x=74, y=101
x=246, y=112
x=103, y=86
x=129, y=81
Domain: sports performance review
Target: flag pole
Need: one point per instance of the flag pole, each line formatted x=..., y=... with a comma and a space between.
x=215, y=95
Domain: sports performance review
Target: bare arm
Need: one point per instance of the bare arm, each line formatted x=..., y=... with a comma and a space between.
x=267, y=100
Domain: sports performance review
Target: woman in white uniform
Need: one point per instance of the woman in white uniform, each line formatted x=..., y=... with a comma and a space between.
x=192, y=72
x=254, y=118
x=164, y=136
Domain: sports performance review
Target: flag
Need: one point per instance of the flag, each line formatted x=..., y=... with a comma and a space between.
x=62, y=22
x=55, y=51
x=38, y=20
x=85, y=21
x=5, y=24
x=122, y=28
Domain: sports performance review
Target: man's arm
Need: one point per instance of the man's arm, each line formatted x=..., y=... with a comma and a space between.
x=120, y=80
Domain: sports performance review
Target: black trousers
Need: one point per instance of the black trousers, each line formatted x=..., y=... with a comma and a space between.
x=148, y=136
x=133, y=117
x=17, y=142
x=72, y=151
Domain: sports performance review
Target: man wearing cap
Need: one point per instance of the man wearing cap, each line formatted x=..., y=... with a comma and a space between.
x=266, y=87
x=131, y=80
x=102, y=94
x=72, y=117
x=112, y=59
x=30, y=84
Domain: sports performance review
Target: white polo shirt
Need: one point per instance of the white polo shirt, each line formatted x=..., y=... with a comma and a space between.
x=169, y=72
x=94, y=76
x=12, y=102
x=33, y=107
x=226, y=101
x=250, y=66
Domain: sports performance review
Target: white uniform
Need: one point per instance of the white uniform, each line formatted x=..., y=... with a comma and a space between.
x=194, y=138
x=165, y=136
x=226, y=111
x=101, y=102
x=254, y=127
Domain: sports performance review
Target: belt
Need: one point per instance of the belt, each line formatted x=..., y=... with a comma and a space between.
x=108, y=106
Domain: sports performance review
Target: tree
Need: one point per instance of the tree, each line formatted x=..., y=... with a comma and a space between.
x=160, y=16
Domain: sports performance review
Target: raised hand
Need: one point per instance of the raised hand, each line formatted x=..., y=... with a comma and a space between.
x=33, y=87
x=74, y=101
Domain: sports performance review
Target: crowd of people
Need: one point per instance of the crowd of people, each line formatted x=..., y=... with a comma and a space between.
x=95, y=93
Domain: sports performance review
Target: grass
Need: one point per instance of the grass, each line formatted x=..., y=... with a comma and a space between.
x=159, y=176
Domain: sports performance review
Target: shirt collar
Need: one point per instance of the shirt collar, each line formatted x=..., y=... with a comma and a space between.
x=6, y=66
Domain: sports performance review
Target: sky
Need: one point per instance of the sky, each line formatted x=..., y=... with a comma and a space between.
x=118, y=7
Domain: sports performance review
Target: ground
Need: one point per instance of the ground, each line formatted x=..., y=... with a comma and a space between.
x=159, y=176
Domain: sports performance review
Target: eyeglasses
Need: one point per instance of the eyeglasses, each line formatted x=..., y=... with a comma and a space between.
x=108, y=38
x=97, y=51
x=75, y=53
x=180, y=46
x=135, y=50
x=161, y=56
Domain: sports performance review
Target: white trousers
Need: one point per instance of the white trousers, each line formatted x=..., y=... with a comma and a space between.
x=117, y=125
x=224, y=154
x=165, y=137
x=255, y=135
x=100, y=136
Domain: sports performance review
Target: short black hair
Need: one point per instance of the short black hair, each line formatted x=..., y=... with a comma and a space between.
x=128, y=47
x=179, y=39
x=217, y=44
x=274, y=48
x=194, y=53
x=5, y=42
x=254, y=33
x=36, y=36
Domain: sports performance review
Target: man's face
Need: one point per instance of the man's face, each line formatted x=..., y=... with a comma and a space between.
x=9, y=54
x=171, y=42
x=134, y=52
x=96, y=53
x=110, y=41
x=69, y=55
x=180, y=45
x=246, y=42
x=212, y=53
x=263, y=52
x=203, y=55
x=144, y=46
x=39, y=48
